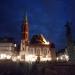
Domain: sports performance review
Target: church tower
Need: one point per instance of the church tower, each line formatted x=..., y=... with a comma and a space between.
x=69, y=40
x=68, y=34
x=25, y=34
x=25, y=30
x=25, y=38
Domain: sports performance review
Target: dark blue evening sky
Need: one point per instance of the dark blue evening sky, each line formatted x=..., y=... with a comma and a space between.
x=46, y=17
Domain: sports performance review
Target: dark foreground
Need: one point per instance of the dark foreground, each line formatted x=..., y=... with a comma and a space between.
x=46, y=68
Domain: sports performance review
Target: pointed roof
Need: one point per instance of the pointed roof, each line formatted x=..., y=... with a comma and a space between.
x=26, y=18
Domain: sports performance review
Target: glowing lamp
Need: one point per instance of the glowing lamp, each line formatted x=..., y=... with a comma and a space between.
x=67, y=57
x=8, y=57
x=30, y=58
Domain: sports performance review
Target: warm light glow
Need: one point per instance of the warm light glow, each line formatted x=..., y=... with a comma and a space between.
x=8, y=57
x=67, y=57
x=57, y=58
x=14, y=59
x=2, y=56
x=45, y=58
x=33, y=58
x=5, y=56
x=30, y=58
x=45, y=42
x=61, y=58
x=14, y=45
x=64, y=57
x=18, y=57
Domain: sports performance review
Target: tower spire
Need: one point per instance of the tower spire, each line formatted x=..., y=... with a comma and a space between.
x=68, y=33
x=25, y=33
x=26, y=18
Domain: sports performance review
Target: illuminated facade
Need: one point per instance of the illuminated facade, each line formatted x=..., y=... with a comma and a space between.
x=62, y=55
x=7, y=48
x=40, y=50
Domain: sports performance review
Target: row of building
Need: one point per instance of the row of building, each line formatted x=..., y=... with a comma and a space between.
x=36, y=49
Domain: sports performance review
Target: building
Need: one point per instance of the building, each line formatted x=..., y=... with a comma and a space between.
x=36, y=49
x=7, y=48
x=74, y=46
x=70, y=44
x=62, y=55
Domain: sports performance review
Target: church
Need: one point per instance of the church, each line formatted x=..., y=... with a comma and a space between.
x=36, y=49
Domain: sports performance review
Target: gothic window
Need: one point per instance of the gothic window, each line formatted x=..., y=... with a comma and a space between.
x=31, y=50
x=45, y=50
x=23, y=57
x=38, y=49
